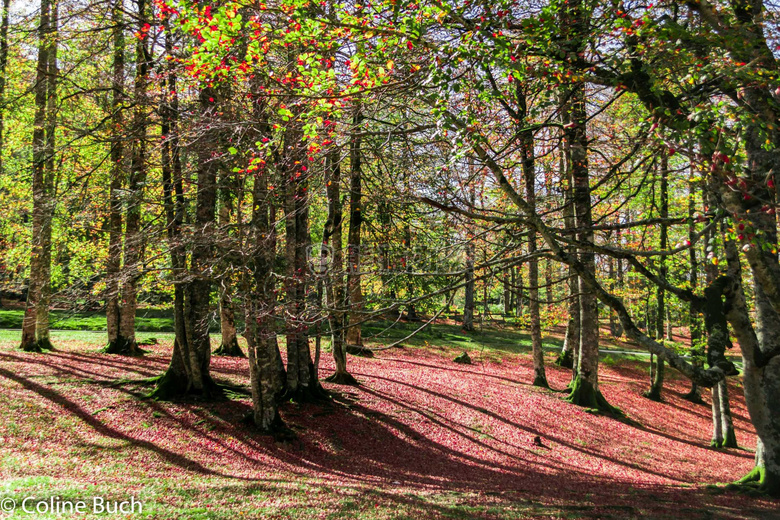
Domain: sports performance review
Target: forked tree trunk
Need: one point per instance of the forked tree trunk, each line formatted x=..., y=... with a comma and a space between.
x=134, y=241
x=189, y=371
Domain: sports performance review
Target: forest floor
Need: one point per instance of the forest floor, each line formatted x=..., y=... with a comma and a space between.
x=422, y=437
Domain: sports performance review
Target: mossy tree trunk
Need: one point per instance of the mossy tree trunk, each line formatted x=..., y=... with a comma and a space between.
x=585, y=389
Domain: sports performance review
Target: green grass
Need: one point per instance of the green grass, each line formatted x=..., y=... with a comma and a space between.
x=147, y=320
x=505, y=340
x=226, y=499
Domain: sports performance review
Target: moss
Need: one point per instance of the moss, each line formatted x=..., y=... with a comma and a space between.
x=582, y=393
x=342, y=378
x=230, y=350
x=123, y=347
x=45, y=344
x=755, y=476
x=565, y=359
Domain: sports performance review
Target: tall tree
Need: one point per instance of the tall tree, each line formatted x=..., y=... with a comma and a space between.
x=528, y=158
x=657, y=370
x=356, y=216
x=117, y=173
x=35, y=324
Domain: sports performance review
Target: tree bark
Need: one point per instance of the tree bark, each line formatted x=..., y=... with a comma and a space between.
x=584, y=389
x=654, y=392
x=114, y=261
x=334, y=276
x=189, y=371
x=354, y=292
x=529, y=175
x=134, y=240
x=227, y=315
x=40, y=182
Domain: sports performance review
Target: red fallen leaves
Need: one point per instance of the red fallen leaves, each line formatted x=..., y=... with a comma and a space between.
x=418, y=424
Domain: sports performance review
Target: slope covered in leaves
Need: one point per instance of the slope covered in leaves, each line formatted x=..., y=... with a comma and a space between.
x=422, y=437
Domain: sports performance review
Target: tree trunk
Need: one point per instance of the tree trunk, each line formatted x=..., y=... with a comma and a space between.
x=727, y=423
x=548, y=282
x=468, y=304
x=354, y=292
x=717, y=423
x=334, y=277
x=42, y=310
x=584, y=389
x=302, y=384
x=260, y=331
x=567, y=356
x=507, y=294
x=694, y=323
x=189, y=372
x=227, y=316
x=529, y=175
x=654, y=392
x=40, y=182
x=614, y=324
x=113, y=263
x=134, y=240
x=227, y=324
